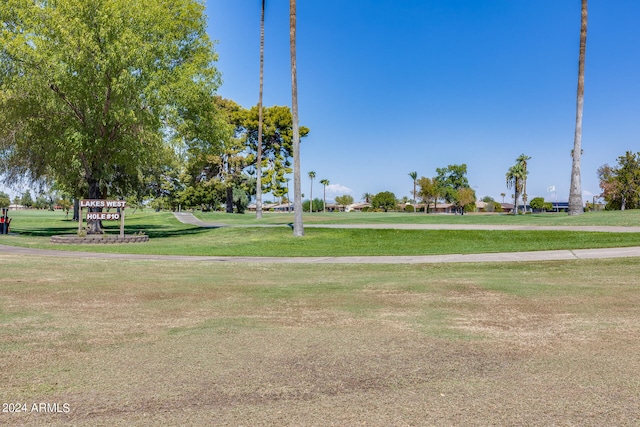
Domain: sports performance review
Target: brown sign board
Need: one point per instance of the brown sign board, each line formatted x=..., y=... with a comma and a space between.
x=103, y=216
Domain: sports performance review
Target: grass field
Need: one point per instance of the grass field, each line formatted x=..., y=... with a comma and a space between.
x=143, y=343
x=614, y=218
x=168, y=236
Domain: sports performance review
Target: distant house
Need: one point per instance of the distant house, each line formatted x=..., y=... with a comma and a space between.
x=507, y=207
x=272, y=207
x=357, y=207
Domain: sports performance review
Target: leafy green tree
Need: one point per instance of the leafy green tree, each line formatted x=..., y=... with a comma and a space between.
x=26, y=199
x=65, y=205
x=620, y=185
x=537, y=203
x=92, y=91
x=277, y=143
x=5, y=200
x=42, y=202
x=430, y=191
x=384, y=200
x=317, y=205
x=465, y=200
x=344, y=200
x=450, y=180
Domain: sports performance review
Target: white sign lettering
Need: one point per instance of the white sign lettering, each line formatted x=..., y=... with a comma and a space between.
x=102, y=216
x=96, y=203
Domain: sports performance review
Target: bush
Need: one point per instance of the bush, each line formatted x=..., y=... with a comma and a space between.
x=409, y=208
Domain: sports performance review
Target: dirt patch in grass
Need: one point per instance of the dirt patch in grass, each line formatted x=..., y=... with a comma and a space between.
x=170, y=344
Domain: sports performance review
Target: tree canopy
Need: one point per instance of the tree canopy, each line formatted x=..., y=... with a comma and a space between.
x=384, y=200
x=92, y=92
x=430, y=191
x=451, y=179
x=620, y=185
x=344, y=200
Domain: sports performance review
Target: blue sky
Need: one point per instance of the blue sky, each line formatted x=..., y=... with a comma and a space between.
x=393, y=86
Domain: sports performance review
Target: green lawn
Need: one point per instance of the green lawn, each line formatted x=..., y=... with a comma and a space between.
x=608, y=218
x=168, y=236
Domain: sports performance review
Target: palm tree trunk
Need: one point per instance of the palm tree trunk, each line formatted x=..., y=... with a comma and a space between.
x=260, y=119
x=298, y=229
x=324, y=198
x=575, y=191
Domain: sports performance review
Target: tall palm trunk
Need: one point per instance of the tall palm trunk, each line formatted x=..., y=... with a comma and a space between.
x=298, y=229
x=575, y=191
x=260, y=119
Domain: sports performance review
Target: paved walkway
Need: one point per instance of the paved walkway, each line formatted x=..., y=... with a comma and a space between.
x=411, y=259
x=188, y=218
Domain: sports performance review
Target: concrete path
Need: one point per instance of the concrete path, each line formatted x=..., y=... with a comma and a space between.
x=189, y=218
x=411, y=259
x=556, y=255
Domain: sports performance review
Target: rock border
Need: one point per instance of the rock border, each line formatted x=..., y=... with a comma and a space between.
x=100, y=239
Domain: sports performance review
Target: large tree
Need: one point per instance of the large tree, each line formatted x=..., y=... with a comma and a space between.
x=277, y=143
x=384, y=200
x=575, y=190
x=451, y=179
x=621, y=184
x=91, y=91
x=430, y=191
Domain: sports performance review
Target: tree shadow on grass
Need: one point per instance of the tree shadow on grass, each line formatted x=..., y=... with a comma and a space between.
x=153, y=231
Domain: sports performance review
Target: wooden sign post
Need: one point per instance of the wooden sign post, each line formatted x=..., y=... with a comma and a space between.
x=103, y=216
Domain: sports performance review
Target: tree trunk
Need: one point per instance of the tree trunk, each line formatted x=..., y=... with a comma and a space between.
x=229, y=199
x=76, y=209
x=575, y=191
x=260, y=119
x=94, y=226
x=298, y=229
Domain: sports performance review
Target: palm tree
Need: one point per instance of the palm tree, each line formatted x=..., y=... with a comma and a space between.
x=324, y=182
x=414, y=177
x=367, y=197
x=522, y=159
x=312, y=175
x=515, y=176
x=260, y=119
x=575, y=191
x=502, y=195
x=298, y=230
